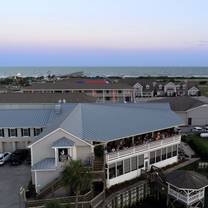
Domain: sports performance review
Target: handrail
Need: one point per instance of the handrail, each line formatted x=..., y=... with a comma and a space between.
x=66, y=199
x=139, y=148
x=98, y=199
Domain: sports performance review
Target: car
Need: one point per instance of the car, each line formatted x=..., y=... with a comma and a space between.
x=204, y=135
x=197, y=129
x=4, y=157
x=18, y=156
x=206, y=128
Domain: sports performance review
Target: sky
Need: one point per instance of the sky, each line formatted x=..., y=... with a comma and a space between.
x=103, y=33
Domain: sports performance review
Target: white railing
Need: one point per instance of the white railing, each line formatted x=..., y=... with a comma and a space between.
x=196, y=197
x=187, y=199
x=141, y=148
x=178, y=196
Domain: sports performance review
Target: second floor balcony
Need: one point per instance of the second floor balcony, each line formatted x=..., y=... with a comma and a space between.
x=130, y=146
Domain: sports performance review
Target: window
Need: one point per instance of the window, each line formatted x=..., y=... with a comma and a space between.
x=1, y=132
x=133, y=163
x=99, y=91
x=119, y=168
x=12, y=132
x=141, y=161
x=25, y=132
x=62, y=154
x=158, y=155
x=164, y=153
x=169, y=152
x=37, y=131
x=160, y=87
x=112, y=171
x=152, y=157
x=127, y=165
x=174, y=150
x=189, y=121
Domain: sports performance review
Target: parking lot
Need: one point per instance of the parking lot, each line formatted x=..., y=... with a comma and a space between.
x=11, y=179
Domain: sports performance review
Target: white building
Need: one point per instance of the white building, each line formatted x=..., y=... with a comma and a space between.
x=134, y=136
x=194, y=112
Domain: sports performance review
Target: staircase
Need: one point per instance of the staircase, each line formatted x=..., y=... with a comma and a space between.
x=98, y=171
x=98, y=164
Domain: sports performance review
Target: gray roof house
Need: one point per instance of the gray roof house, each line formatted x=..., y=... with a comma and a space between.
x=193, y=111
x=78, y=128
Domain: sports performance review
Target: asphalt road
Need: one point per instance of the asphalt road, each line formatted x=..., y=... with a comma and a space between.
x=11, y=179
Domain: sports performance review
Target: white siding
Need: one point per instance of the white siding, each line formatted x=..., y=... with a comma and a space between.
x=199, y=115
x=43, y=149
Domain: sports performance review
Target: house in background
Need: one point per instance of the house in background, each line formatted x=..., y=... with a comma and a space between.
x=131, y=143
x=103, y=90
x=194, y=112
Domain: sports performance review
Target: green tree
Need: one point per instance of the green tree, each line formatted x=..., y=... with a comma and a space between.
x=77, y=177
x=53, y=204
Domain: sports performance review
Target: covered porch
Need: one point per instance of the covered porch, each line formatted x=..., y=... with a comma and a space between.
x=131, y=145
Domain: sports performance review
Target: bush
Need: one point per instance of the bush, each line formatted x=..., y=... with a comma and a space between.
x=99, y=151
x=199, y=145
x=30, y=193
x=53, y=204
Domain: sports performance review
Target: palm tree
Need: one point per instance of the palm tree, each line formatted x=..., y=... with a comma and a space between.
x=77, y=177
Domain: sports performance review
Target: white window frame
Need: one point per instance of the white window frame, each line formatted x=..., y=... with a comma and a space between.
x=26, y=132
x=10, y=132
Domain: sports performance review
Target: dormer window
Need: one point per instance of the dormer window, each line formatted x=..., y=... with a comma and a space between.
x=37, y=131
x=160, y=87
x=147, y=86
x=25, y=132
x=1, y=132
x=12, y=132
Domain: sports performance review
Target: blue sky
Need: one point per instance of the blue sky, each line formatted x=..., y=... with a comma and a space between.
x=97, y=32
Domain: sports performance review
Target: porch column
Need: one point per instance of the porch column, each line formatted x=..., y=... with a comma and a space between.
x=133, y=141
x=13, y=146
x=1, y=146
x=56, y=156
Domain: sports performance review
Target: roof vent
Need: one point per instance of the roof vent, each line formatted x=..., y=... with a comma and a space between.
x=58, y=108
x=64, y=101
x=60, y=101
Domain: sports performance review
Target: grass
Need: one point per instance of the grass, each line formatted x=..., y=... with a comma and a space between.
x=204, y=89
x=199, y=145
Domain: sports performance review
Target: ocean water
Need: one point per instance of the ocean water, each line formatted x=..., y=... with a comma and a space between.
x=107, y=71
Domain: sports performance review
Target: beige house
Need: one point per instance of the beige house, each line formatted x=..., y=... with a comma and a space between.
x=131, y=143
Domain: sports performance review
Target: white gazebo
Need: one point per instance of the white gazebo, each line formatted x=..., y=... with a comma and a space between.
x=186, y=188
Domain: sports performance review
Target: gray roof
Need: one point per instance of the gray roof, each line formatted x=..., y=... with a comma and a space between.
x=45, y=98
x=105, y=122
x=187, y=179
x=180, y=103
x=20, y=118
x=63, y=142
x=45, y=164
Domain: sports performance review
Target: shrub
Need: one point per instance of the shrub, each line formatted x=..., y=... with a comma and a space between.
x=99, y=151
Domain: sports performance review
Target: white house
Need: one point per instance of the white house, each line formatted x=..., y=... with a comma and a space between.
x=194, y=112
x=134, y=136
